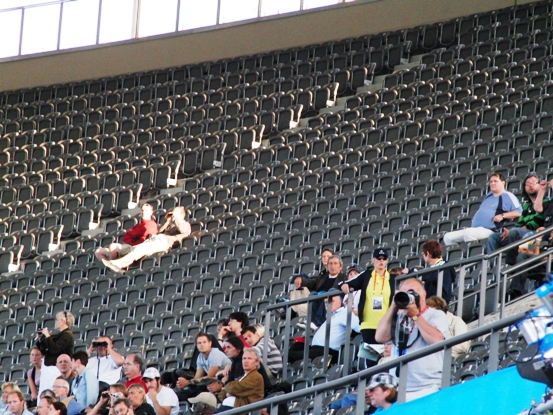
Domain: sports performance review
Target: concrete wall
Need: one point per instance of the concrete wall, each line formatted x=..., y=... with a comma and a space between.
x=353, y=19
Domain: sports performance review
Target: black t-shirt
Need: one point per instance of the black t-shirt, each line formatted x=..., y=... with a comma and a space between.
x=145, y=409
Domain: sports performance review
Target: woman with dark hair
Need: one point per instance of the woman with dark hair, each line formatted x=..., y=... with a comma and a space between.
x=57, y=408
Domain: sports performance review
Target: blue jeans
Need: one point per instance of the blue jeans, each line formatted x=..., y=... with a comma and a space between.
x=495, y=242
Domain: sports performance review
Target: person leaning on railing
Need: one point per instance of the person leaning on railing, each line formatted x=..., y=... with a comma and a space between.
x=544, y=206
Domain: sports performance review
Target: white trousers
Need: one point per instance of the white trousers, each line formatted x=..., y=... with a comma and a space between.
x=467, y=235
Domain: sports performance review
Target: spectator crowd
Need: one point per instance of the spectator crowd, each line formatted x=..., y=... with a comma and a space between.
x=394, y=315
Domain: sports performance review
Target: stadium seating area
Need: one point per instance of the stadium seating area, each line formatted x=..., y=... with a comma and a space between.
x=276, y=156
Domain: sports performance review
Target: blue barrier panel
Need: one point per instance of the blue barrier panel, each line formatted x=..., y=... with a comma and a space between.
x=503, y=392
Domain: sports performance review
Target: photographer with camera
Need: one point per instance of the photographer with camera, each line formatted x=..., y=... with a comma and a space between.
x=63, y=342
x=412, y=325
x=104, y=406
x=104, y=362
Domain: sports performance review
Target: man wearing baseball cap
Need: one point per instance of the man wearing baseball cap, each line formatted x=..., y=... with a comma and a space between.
x=204, y=404
x=382, y=391
x=163, y=399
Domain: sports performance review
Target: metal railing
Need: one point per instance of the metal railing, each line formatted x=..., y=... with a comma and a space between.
x=360, y=378
x=285, y=347
x=502, y=274
x=499, y=285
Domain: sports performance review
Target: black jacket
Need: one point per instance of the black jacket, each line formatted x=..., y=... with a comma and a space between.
x=361, y=282
x=314, y=284
x=55, y=345
x=431, y=283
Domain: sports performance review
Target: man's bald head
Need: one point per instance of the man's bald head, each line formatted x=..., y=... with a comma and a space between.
x=64, y=365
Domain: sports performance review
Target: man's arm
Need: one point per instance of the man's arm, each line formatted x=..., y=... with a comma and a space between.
x=428, y=332
x=184, y=226
x=353, y=284
x=513, y=214
x=183, y=382
x=160, y=410
x=538, y=203
x=116, y=357
x=212, y=372
x=63, y=341
x=383, y=330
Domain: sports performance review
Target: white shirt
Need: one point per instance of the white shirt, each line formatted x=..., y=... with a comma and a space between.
x=48, y=374
x=109, y=371
x=166, y=397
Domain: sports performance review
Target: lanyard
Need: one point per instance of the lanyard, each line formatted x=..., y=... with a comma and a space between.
x=375, y=276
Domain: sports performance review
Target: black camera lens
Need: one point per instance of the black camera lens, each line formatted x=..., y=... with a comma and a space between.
x=402, y=299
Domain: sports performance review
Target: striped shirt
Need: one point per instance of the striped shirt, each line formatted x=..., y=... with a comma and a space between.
x=274, y=357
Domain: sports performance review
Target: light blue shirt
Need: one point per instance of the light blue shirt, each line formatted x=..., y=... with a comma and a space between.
x=85, y=388
x=215, y=358
x=495, y=205
x=74, y=407
x=338, y=321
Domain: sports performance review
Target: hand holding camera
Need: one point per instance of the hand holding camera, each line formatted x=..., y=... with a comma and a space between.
x=408, y=301
x=105, y=396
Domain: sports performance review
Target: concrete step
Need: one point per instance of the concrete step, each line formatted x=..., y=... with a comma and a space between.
x=341, y=102
x=369, y=88
x=331, y=110
x=171, y=190
x=416, y=58
x=93, y=232
x=406, y=66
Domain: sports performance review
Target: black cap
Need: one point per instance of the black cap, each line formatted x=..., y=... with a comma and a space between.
x=354, y=267
x=380, y=252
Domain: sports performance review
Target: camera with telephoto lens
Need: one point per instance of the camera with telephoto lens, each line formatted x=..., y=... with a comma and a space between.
x=403, y=299
x=99, y=344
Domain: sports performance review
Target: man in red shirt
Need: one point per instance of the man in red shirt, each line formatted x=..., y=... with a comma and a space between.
x=134, y=236
x=132, y=369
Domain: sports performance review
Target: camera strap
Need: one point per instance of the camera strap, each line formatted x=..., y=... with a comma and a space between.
x=403, y=331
